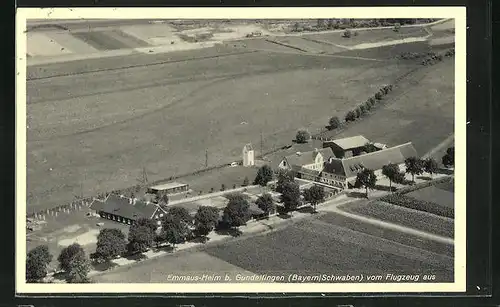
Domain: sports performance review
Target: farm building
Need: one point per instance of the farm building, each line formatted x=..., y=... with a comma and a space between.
x=347, y=147
x=169, y=188
x=125, y=210
x=248, y=155
x=311, y=160
x=340, y=173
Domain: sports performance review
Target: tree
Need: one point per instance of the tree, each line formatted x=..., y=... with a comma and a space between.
x=181, y=214
x=283, y=178
x=110, y=244
x=372, y=100
x=350, y=116
x=449, y=158
x=264, y=175
x=205, y=220
x=367, y=179
x=141, y=236
x=245, y=182
x=236, y=212
x=368, y=105
x=430, y=166
x=390, y=171
x=347, y=33
x=362, y=109
x=378, y=95
x=414, y=166
x=369, y=147
x=37, y=261
x=302, y=136
x=320, y=23
x=174, y=229
x=266, y=203
x=314, y=195
x=149, y=223
x=223, y=187
x=333, y=123
x=357, y=112
x=290, y=195
x=73, y=261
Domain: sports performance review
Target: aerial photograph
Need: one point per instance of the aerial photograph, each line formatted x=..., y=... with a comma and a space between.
x=240, y=151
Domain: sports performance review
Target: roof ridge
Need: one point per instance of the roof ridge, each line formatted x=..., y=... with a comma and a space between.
x=378, y=151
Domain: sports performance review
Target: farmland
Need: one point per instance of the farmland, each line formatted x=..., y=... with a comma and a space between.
x=93, y=132
x=327, y=243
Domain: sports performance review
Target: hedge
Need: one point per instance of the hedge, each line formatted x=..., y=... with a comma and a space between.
x=416, y=204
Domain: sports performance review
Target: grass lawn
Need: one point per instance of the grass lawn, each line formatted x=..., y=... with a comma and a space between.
x=98, y=133
x=322, y=245
x=402, y=216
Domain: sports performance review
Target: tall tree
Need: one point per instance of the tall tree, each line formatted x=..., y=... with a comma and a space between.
x=333, y=123
x=205, y=220
x=414, y=166
x=181, y=214
x=430, y=166
x=314, y=195
x=283, y=178
x=264, y=175
x=449, y=158
x=174, y=230
x=110, y=244
x=266, y=203
x=73, y=261
x=290, y=195
x=236, y=212
x=245, y=182
x=302, y=136
x=141, y=236
x=367, y=179
x=390, y=170
x=37, y=261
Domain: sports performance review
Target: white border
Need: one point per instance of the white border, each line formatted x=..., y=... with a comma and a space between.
x=458, y=13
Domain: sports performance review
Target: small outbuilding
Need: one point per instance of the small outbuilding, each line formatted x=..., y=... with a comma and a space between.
x=169, y=188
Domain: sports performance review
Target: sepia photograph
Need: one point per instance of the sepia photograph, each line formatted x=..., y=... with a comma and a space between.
x=294, y=150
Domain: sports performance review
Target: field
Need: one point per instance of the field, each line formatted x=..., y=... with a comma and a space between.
x=93, y=132
x=327, y=243
x=436, y=194
x=403, y=216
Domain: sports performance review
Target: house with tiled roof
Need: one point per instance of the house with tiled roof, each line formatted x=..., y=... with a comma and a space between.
x=125, y=210
x=312, y=160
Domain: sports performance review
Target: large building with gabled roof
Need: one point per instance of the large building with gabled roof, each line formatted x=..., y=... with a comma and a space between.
x=348, y=147
x=125, y=210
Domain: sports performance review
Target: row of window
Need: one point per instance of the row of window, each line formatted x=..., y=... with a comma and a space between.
x=116, y=218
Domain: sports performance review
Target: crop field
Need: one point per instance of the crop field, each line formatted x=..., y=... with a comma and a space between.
x=403, y=216
x=326, y=244
x=93, y=132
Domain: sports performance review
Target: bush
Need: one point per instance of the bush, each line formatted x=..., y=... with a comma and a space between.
x=357, y=112
x=397, y=26
x=368, y=105
x=333, y=123
x=350, y=116
x=378, y=96
x=416, y=204
x=355, y=33
x=362, y=109
x=372, y=100
x=347, y=33
x=302, y=136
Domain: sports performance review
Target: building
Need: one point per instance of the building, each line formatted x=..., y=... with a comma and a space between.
x=343, y=172
x=348, y=147
x=311, y=160
x=248, y=155
x=340, y=173
x=169, y=188
x=125, y=210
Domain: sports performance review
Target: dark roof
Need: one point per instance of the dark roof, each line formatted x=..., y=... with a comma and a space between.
x=349, y=167
x=304, y=158
x=122, y=207
x=307, y=171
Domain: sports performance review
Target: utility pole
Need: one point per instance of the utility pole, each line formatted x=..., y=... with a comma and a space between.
x=261, y=145
x=206, y=158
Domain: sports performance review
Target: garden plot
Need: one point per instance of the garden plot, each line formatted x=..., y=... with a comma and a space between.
x=435, y=195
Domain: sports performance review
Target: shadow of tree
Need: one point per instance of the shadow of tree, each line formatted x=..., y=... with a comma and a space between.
x=426, y=178
x=136, y=257
x=385, y=188
x=356, y=194
x=233, y=232
x=103, y=266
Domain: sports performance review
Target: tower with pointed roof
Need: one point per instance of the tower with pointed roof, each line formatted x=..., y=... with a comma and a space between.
x=248, y=155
